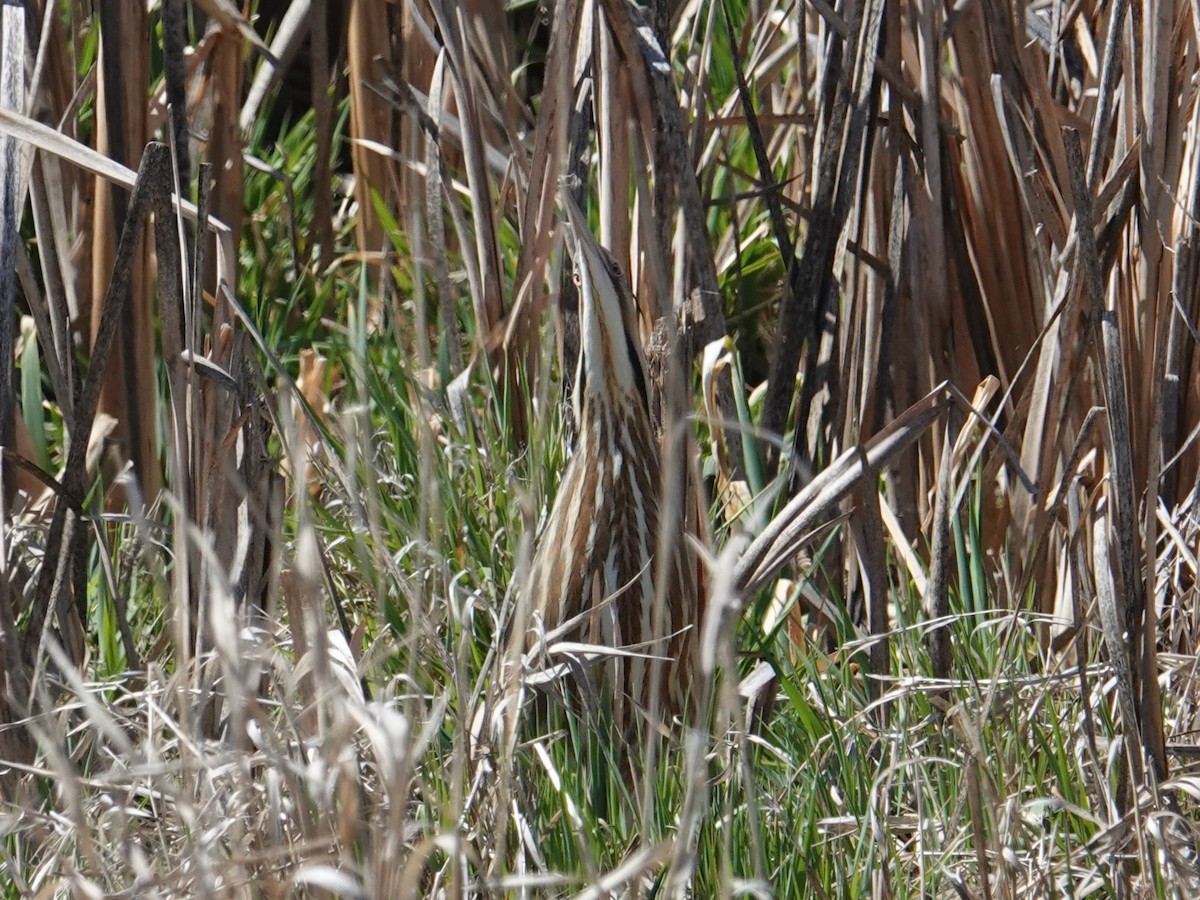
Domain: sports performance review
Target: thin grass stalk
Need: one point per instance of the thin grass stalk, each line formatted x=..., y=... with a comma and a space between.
x=612, y=181
x=322, y=105
x=52, y=315
x=1100, y=142
x=928, y=214
x=12, y=97
x=435, y=223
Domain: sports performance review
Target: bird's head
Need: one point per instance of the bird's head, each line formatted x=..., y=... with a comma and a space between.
x=610, y=366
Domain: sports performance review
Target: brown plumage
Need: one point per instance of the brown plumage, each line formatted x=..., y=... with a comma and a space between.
x=597, y=559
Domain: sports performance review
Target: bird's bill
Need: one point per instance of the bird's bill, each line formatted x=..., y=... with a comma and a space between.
x=603, y=324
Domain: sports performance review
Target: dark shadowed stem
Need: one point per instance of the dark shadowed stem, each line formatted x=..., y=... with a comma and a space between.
x=12, y=96
x=1140, y=649
x=174, y=25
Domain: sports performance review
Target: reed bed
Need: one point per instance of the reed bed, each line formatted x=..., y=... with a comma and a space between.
x=284, y=327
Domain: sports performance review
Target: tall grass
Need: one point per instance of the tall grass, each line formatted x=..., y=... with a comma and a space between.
x=281, y=421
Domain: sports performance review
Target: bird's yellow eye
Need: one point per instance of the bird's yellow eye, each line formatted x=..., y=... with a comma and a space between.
x=615, y=273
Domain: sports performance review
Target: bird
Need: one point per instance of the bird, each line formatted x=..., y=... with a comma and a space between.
x=593, y=578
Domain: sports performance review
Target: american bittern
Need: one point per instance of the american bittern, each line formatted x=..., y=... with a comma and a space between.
x=597, y=562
